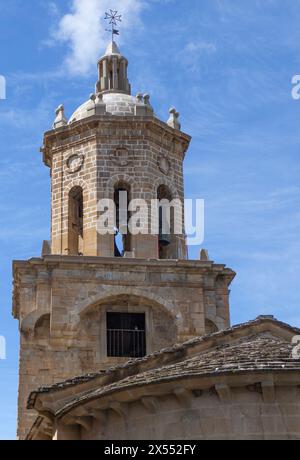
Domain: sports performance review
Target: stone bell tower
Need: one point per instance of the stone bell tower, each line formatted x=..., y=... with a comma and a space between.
x=88, y=303
x=114, y=143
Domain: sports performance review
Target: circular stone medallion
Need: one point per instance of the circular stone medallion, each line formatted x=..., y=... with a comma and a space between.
x=74, y=163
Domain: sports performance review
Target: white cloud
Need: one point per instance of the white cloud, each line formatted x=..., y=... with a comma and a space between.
x=83, y=29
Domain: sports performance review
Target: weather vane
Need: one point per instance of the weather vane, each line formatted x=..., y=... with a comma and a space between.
x=114, y=17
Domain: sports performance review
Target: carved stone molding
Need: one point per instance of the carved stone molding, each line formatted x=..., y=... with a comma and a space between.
x=164, y=165
x=74, y=163
x=122, y=157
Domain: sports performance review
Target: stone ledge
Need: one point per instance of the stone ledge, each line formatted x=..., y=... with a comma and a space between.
x=73, y=260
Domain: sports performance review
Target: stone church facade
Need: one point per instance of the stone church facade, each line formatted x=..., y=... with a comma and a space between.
x=114, y=317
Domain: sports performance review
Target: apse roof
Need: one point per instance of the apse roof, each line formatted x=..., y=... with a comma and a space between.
x=247, y=347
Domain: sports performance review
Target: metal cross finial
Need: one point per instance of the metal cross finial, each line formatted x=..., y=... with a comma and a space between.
x=114, y=17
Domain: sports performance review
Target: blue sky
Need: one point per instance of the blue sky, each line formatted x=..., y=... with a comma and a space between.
x=227, y=67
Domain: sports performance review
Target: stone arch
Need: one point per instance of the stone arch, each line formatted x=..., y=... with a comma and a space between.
x=171, y=244
x=72, y=185
x=167, y=183
x=210, y=326
x=161, y=325
x=125, y=182
x=30, y=321
x=76, y=183
x=113, y=293
x=119, y=179
x=42, y=326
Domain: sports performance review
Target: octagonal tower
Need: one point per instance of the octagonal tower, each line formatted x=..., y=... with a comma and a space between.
x=113, y=142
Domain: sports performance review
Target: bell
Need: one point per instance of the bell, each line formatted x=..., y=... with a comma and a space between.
x=164, y=240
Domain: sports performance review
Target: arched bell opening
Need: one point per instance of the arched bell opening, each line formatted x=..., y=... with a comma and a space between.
x=123, y=240
x=75, y=222
x=166, y=215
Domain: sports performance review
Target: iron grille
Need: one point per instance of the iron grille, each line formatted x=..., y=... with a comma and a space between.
x=126, y=343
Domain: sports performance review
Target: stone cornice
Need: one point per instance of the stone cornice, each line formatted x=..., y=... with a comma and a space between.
x=167, y=386
x=94, y=263
x=59, y=139
x=26, y=273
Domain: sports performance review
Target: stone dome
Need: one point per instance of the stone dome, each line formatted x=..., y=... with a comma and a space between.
x=116, y=104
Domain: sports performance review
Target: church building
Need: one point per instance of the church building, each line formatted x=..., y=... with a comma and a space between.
x=121, y=335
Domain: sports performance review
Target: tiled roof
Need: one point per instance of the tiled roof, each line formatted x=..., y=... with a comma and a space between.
x=256, y=352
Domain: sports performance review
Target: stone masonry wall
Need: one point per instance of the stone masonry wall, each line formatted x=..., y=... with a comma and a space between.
x=247, y=417
x=140, y=154
x=61, y=303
